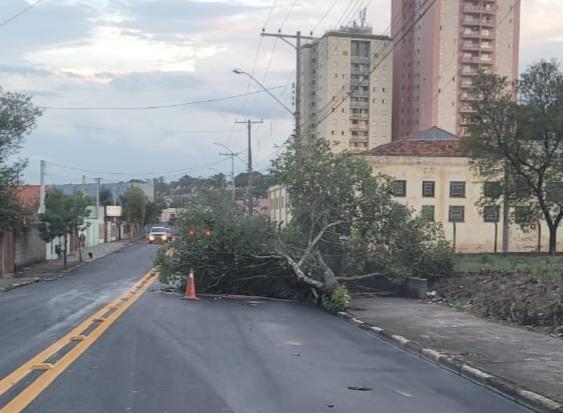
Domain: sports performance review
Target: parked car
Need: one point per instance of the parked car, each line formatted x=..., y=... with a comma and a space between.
x=159, y=234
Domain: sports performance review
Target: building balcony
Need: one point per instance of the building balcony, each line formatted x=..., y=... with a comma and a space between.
x=471, y=34
x=470, y=21
x=471, y=8
x=491, y=22
x=470, y=46
x=359, y=105
x=467, y=97
x=359, y=128
x=359, y=94
x=466, y=109
x=469, y=72
x=359, y=59
x=359, y=116
x=470, y=59
x=487, y=47
x=466, y=84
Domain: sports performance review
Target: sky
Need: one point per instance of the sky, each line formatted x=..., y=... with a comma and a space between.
x=131, y=53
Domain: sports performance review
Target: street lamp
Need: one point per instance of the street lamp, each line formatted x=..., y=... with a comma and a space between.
x=242, y=72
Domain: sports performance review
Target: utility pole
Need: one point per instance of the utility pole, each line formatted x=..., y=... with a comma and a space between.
x=43, y=169
x=249, y=124
x=232, y=155
x=297, y=46
x=84, y=184
x=98, y=180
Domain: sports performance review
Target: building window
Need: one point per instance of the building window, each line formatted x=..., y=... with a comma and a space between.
x=522, y=214
x=492, y=189
x=491, y=213
x=428, y=189
x=400, y=188
x=456, y=214
x=427, y=212
x=457, y=189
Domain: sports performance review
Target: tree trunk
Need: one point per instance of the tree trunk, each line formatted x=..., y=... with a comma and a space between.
x=330, y=281
x=552, y=239
x=79, y=241
x=64, y=250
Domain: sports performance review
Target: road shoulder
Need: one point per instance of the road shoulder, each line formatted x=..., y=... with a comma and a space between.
x=52, y=269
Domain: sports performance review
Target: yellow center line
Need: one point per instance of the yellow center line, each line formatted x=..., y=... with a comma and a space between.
x=52, y=371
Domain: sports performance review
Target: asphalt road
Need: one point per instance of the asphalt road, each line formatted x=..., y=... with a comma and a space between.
x=219, y=355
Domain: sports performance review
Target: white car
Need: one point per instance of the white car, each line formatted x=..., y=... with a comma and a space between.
x=159, y=234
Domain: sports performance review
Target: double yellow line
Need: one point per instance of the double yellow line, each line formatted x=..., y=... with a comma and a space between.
x=79, y=339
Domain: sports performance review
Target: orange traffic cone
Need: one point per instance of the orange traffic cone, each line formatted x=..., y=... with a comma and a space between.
x=190, y=287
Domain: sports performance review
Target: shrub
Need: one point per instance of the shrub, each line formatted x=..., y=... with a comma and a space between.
x=339, y=300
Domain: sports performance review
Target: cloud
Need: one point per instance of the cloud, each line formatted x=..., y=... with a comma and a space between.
x=147, y=52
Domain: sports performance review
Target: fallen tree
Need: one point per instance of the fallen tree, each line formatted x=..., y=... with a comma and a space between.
x=346, y=228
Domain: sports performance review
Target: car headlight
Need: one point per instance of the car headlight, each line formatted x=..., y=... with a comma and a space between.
x=151, y=237
x=164, y=237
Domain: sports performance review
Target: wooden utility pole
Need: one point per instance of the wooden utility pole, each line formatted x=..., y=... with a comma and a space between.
x=249, y=124
x=232, y=155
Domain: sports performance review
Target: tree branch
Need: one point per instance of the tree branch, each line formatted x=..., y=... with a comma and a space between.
x=316, y=241
x=362, y=277
x=299, y=273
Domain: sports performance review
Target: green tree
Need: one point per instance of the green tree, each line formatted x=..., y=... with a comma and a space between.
x=229, y=250
x=154, y=209
x=260, y=184
x=64, y=215
x=516, y=142
x=106, y=197
x=346, y=226
x=135, y=208
x=18, y=117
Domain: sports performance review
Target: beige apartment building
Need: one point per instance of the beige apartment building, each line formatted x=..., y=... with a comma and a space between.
x=433, y=176
x=278, y=205
x=436, y=62
x=353, y=60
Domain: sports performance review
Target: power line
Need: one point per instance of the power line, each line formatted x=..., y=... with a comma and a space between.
x=288, y=14
x=18, y=14
x=324, y=16
x=153, y=173
x=174, y=131
x=175, y=105
x=376, y=66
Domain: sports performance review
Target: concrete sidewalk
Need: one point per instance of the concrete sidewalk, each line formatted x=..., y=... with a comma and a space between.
x=530, y=360
x=48, y=270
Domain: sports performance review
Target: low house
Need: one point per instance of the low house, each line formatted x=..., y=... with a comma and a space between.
x=29, y=248
x=23, y=246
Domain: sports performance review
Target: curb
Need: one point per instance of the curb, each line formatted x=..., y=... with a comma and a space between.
x=497, y=384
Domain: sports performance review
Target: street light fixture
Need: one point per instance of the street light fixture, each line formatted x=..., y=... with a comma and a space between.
x=242, y=72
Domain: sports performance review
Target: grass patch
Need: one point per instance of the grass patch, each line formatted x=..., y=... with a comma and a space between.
x=463, y=304
x=539, y=266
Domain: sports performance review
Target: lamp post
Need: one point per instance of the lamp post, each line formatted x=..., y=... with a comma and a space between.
x=242, y=72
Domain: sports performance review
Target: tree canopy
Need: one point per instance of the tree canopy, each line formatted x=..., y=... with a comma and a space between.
x=64, y=215
x=516, y=142
x=18, y=117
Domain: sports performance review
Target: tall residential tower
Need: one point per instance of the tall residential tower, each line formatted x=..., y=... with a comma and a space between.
x=350, y=60
x=436, y=62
